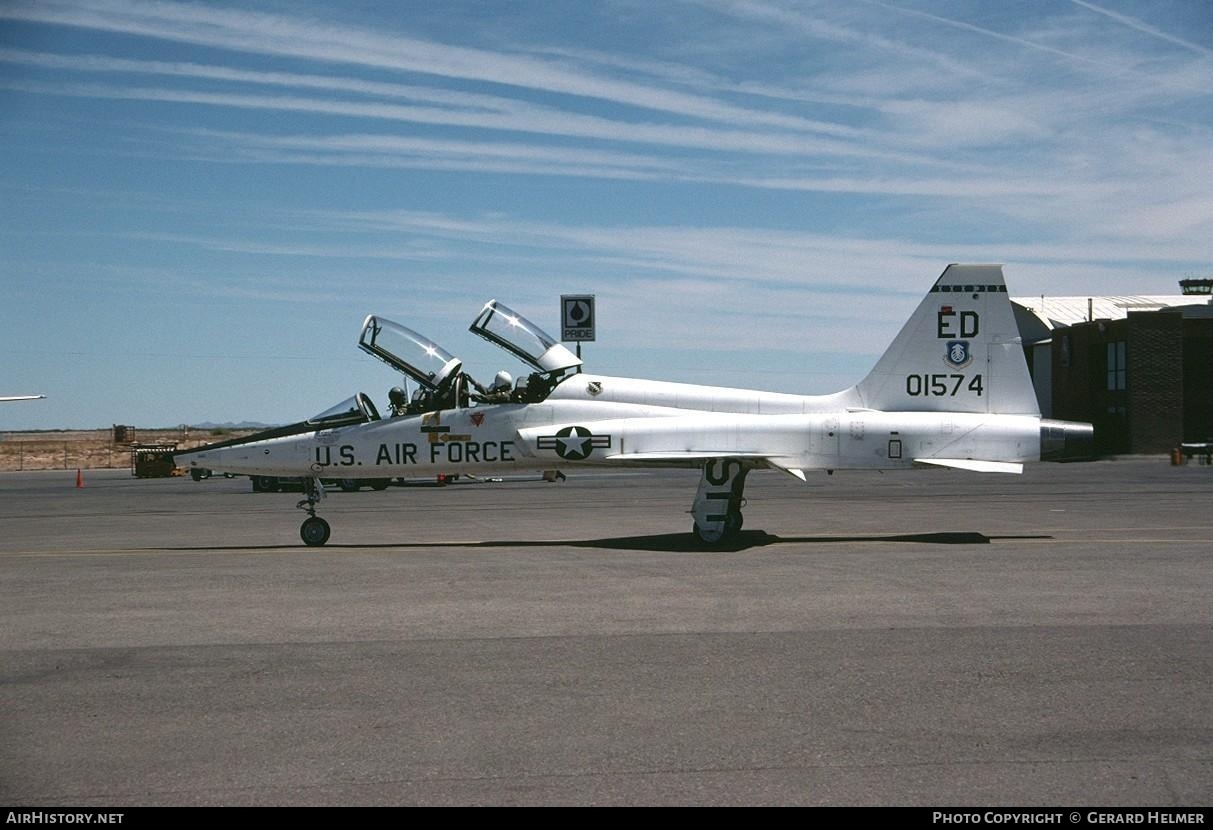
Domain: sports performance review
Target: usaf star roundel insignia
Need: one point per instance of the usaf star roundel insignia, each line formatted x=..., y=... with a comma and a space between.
x=573, y=443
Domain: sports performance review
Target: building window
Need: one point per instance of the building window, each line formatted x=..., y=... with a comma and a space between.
x=1117, y=366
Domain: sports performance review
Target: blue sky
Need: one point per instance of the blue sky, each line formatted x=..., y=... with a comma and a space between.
x=199, y=203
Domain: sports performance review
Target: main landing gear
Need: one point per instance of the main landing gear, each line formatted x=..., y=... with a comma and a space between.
x=314, y=531
x=718, y=502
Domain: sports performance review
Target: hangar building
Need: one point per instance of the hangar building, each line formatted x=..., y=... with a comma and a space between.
x=1139, y=368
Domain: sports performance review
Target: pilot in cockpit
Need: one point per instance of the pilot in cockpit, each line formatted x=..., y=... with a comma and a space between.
x=422, y=402
x=426, y=400
x=496, y=392
x=398, y=401
x=401, y=404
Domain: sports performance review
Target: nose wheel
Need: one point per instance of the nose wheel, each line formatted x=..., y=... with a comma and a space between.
x=314, y=531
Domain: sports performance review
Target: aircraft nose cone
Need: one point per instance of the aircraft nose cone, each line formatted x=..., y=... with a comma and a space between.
x=237, y=459
x=189, y=458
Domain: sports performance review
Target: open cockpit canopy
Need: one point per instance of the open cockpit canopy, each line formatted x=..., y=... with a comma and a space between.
x=406, y=351
x=501, y=325
x=357, y=409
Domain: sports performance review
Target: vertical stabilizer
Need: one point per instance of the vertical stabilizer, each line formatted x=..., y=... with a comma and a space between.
x=959, y=352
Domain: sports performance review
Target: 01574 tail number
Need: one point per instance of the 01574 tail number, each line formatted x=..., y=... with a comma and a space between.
x=942, y=386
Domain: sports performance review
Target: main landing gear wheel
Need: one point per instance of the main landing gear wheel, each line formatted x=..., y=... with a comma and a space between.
x=732, y=529
x=314, y=531
x=719, y=500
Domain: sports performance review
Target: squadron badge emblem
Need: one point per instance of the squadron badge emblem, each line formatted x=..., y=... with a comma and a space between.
x=957, y=355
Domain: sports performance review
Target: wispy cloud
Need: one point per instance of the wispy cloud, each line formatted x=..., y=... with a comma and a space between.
x=1022, y=42
x=1138, y=25
x=531, y=120
x=197, y=71
x=819, y=27
x=786, y=177
x=276, y=35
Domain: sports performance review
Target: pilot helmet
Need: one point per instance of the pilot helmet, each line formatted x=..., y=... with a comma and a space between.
x=397, y=396
x=503, y=380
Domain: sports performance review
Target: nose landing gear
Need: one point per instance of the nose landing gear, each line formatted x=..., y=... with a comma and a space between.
x=314, y=531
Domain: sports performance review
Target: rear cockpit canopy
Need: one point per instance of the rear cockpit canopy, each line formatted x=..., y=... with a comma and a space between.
x=407, y=351
x=500, y=324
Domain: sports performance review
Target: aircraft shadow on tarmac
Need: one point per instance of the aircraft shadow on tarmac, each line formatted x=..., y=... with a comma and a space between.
x=685, y=543
x=665, y=542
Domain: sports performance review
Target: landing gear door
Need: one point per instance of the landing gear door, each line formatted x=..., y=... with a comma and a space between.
x=407, y=351
x=501, y=325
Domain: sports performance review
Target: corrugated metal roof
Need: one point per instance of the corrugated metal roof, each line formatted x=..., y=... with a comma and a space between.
x=1066, y=311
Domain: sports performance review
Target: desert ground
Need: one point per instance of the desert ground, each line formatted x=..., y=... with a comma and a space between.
x=94, y=449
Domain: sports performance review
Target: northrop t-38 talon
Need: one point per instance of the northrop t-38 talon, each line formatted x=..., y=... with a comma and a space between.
x=951, y=391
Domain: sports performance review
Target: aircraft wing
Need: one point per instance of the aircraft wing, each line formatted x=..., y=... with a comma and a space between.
x=670, y=457
x=688, y=440
x=787, y=465
x=973, y=465
x=675, y=441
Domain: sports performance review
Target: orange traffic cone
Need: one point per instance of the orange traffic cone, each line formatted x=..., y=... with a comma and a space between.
x=79, y=478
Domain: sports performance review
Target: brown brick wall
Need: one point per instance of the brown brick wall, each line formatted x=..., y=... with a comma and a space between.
x=1156, y=381
x=1080, y=392
x=1169, y=394
x=1072, y=374
x=1198, y=379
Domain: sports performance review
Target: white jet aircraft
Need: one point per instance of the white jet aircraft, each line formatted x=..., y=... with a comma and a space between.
x=9, y=398
x=952, y=390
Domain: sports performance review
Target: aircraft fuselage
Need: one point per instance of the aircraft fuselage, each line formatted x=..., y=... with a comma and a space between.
x=495, y=439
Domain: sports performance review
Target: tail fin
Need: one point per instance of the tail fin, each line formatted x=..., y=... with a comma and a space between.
x=959, y=352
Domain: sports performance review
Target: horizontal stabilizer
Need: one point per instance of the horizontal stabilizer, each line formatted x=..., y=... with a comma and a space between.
x=973, y=465
x=792, y=471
